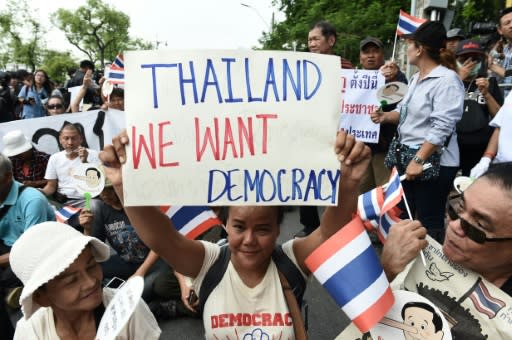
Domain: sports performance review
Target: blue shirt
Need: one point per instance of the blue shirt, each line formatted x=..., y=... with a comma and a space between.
x=506, y=63
x=37, y=109
x=430, y=110
x=27, y=209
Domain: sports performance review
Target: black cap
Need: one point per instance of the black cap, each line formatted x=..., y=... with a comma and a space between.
x=371, y=40
x=469, y=46
x=455, y=33
x=430, y=33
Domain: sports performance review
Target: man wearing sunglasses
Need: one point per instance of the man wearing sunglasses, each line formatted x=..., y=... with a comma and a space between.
x=478, y=232
x=55, y=106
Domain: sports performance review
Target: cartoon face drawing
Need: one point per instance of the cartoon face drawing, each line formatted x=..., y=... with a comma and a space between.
x=390, y=90
x=92, y=177
x=424, y=319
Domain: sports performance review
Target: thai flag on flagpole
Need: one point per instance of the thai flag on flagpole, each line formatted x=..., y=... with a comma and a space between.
x=119, y=61
x=63, y=214
x=349, y=269
x=115, y=75
x=191, y=221
x=407, y=23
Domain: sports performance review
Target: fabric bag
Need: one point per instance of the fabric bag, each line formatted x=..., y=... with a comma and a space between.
x=400, y=155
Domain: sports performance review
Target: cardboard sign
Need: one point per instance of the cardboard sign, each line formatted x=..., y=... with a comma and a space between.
x=359, y=100
x=231, y=128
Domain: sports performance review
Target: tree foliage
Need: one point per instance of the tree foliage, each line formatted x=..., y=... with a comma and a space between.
x=21, y=35
x=354, y=20
x=96, y=29
x=57, y=64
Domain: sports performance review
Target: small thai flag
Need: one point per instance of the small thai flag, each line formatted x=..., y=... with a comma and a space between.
x=369, y=207
x=393, y=191
x=119, y=61
x=407, y=23
x=349, y=269
x=65, y=213
x=115, y=75
x=386, y=221
x=192, y=221
x=484, y=302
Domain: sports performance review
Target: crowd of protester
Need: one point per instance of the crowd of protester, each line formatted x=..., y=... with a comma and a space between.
x=454, y=116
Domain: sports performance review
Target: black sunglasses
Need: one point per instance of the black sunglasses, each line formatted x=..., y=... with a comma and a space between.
x=472, y=232
x=56, y=106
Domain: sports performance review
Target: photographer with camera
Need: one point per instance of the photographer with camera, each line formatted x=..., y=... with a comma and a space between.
x=88, y=78
x=34, y=95
x=500, y=58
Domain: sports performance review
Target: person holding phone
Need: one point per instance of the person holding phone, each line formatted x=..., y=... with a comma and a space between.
x=482, y=101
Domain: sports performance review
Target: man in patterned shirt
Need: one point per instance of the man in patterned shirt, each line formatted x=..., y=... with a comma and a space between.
x=29, y=164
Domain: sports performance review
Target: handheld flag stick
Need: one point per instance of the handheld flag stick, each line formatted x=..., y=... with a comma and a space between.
x=87, y=196
x=425, y=167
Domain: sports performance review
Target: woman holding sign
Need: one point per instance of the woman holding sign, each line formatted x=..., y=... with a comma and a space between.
x=249, y=299
x=426, y=119
x=62, y=297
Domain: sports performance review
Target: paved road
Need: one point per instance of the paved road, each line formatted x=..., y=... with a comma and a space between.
x=326, y=320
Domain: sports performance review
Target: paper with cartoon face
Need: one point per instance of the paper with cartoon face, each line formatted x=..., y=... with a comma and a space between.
x=412, y=317
x=89, y=178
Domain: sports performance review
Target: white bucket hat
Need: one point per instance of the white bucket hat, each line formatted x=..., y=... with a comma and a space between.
x=15, y=143
x=43, y=252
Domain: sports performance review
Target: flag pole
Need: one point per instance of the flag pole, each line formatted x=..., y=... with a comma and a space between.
x=394, y=44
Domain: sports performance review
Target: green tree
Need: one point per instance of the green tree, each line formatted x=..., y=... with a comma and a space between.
x=96, y=29
x=21, y=34
x=57, y=64
x=468, y=12
x=353, y=20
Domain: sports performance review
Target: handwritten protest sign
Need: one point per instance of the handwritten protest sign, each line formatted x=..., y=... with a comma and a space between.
x=98, y=127
x=359, y=100
x=231, y=128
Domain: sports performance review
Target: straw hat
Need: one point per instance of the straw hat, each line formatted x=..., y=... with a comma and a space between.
x=15, y=143
x=43, y=252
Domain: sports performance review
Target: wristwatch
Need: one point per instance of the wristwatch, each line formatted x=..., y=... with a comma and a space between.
x=418, y=159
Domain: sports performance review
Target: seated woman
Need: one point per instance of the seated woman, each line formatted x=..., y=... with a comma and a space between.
x=62, y=296
x=251, y=285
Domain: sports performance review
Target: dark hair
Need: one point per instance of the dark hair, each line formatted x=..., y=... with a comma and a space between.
x=327, y=29
x=500, y=175
x=436, y=319
x=117, y=92
x=47, y=84
x=87, y=64
x=98, y=173
x=224, y=213
x=70, y=126
x=22, y=74
x=503, y=13
x=443, y=56
x=56, y=96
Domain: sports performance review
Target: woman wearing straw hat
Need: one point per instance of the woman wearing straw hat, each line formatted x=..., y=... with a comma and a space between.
x=426, y=119
x=62, y=296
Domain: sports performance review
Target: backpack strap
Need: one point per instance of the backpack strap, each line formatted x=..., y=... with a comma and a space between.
x=291, y=272
x=213, y=276
x=283, y=263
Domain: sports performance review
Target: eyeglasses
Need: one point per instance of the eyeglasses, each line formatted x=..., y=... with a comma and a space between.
x=472, y=232
x=55, y=106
